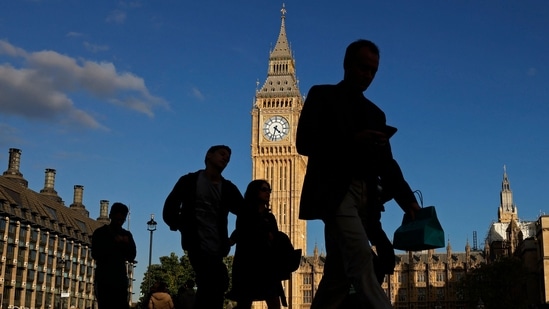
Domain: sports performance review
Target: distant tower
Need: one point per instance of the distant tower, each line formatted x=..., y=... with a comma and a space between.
x=275, y=114
x=507, y=210
x=505, y=235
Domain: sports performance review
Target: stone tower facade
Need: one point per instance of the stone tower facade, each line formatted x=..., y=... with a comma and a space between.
x=507, y=210
x=275, y=114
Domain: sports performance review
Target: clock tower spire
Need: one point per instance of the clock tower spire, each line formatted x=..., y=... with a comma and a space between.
x=281, y=76
x=507, y=210
x=275, y=113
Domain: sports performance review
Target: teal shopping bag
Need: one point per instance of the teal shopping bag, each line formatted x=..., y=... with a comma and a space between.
x=425, y=232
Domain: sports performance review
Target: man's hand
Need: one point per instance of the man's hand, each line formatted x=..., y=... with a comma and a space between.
x=412, y=209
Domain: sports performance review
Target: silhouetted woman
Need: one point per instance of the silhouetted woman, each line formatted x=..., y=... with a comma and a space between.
x=253, y=276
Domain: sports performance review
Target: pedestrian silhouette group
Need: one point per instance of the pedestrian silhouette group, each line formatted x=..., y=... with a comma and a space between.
x=345, y=186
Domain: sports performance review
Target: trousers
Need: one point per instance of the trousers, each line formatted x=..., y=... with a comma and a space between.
x=112, y=294
x=349, y=258
x=212, y=280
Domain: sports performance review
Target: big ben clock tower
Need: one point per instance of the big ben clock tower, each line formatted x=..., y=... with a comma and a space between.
x=275, y=114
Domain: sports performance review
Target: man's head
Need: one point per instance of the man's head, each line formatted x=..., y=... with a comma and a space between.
x=118, y=214
x=360, y=63
x=218, y=157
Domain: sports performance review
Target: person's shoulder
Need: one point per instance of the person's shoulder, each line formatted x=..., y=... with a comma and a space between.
x=227, y=183
x=126, y=232
x=324, y=87
x=104, y=226
x=322, y=92
x=189, y=177
x=191, y=174
x=100, y=229
x=164, y=294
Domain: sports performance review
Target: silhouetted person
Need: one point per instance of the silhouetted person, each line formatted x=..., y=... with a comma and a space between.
x=254, y=273
x=112, y=247
x=198, y=206
x=186, y=296
x=160, y=298
x=341, y=180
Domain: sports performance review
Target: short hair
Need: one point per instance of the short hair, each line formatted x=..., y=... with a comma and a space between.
x=353, y=48
x=159, y=286
x=119, y=208
x=214, y=149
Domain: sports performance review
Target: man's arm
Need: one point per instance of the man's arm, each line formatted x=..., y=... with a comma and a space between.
x=235, y=198
x=172, y=205
x=132, y=249
x=100, y=246
x=393, y=181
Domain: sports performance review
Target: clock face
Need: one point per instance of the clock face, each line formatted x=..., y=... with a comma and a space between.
x=276, y=128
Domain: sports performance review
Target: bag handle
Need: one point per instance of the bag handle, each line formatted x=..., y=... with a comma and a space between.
x=420, y=196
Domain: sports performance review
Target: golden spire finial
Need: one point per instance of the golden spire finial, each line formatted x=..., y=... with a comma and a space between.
x=283, y=10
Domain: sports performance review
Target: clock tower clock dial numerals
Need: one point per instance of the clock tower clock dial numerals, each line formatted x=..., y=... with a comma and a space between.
x=276, y=128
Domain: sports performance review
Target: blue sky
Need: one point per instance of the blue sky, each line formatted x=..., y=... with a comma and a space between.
x=123, y=97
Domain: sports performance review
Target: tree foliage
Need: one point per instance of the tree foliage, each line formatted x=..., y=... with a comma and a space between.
x=500, y=284
x=174, y=271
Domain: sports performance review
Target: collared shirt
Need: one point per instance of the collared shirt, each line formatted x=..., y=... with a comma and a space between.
x=208, y=206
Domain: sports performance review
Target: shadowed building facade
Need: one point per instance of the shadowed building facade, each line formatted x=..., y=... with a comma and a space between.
x=45, y=246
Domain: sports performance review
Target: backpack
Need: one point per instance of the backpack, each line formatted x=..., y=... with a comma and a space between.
x=288, y=258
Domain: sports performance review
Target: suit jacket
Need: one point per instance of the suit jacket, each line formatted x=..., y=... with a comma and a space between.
x=331, y=116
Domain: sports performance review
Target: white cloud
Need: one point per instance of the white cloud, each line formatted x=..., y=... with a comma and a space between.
x=197, y=94
x=94, y=48
x=73, y=34
x=10, y=50
x=117, y=17
x=41, y=89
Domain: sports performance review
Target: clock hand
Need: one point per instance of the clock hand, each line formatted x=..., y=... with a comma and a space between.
x=276, y=129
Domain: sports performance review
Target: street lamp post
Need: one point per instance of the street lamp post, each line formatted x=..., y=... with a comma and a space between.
x=151, y=227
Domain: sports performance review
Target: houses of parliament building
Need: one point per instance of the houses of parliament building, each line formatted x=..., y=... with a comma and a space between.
x=45, y=246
